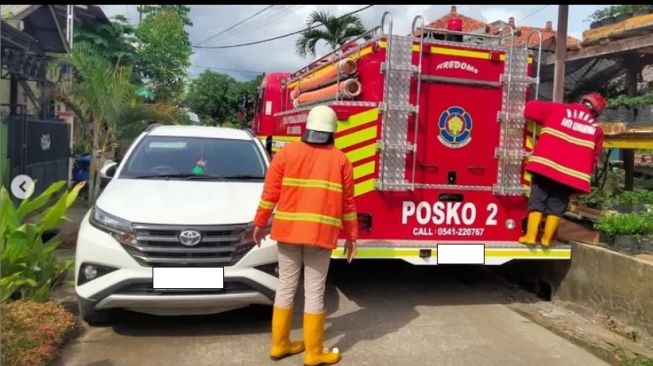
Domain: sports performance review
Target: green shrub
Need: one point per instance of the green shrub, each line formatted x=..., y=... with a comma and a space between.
x=626, y=224
x=82, y=147
x=32, y=333
x=636, y=197
x=597, y=198
x=29, y=268
x=616, y=10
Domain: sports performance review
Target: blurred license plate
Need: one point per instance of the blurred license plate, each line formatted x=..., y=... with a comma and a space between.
x=187, y=278
x=461, y=254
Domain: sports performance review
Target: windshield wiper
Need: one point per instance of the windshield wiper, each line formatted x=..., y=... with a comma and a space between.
x=188, y=176
x=176, y=175
x=242, y=177
x=203, y=177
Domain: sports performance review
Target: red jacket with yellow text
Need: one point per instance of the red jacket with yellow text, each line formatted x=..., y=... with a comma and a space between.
x=312, y=188
x=569, y=144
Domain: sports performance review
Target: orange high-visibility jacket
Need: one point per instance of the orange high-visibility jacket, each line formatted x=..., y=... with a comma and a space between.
x=312, y=187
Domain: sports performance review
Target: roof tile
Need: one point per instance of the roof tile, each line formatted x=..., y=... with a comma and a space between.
x=473, y=25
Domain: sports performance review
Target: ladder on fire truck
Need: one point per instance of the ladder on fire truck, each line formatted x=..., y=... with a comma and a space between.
x=396, y=108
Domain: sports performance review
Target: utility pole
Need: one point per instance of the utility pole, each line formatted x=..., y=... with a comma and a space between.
x=561, y=54
x=140, y=14
x=70, y=23
x=633, y=69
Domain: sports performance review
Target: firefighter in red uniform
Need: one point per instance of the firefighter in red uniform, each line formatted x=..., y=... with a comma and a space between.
x=563, y=160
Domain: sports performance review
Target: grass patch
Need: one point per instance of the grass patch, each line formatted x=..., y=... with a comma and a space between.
x=32, y=333
x=637, y=361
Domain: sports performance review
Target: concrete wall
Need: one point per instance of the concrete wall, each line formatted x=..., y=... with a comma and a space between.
x=608, y=283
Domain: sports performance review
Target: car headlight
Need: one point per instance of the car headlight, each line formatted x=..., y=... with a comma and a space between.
x=120, y=229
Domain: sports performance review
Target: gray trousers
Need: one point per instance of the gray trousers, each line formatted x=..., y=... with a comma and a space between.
x=315, y=261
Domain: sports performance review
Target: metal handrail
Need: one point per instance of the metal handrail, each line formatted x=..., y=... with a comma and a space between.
x=297, y=74
x=448, y=31
x=539, y=58
x=537, y=73
x=510, y=58
x=338, y=74
x=386, y=87
x=417, y=96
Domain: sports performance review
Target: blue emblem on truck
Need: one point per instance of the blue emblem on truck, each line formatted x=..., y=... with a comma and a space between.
x=455, y=126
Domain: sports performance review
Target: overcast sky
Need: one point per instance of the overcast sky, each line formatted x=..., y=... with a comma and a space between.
x=244, y=62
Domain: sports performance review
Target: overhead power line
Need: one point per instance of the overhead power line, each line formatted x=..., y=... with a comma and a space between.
x=270, y=19
x=249, y=28
x=223, y=69
x=237, y=24
x=533, y=13
x=282, y=36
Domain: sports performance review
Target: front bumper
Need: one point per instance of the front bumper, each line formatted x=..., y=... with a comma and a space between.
x=130, y=286
x=425, y=252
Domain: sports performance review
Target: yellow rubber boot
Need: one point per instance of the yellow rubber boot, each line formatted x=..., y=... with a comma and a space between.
x=314, y=338
x=281, y=344
x=532, y=227
x=550, y=228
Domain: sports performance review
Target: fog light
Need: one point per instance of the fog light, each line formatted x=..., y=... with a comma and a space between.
x=90, y=272
x=510, y=224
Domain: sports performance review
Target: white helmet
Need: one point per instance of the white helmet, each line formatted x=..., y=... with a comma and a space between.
x=322, y=118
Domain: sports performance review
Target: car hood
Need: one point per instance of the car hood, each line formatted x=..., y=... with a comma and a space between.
x=175, y=202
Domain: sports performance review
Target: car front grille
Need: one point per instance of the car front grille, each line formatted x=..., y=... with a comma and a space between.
x=159, y=245
x=146, y=288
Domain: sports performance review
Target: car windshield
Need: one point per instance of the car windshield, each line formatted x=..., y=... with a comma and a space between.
x=194, y=158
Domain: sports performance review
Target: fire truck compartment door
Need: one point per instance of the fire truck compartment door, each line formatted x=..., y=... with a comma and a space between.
x=458, y=134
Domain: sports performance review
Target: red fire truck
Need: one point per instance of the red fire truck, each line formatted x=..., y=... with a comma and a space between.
x=433, y=125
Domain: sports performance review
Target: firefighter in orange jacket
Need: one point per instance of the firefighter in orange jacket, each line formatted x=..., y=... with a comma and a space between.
x=311, y=185
x=563, y=160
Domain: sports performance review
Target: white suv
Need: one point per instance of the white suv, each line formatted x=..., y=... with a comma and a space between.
x=171, y=233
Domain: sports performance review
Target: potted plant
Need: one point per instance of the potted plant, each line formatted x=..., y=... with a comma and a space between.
x=646, y=242
x=623, y=230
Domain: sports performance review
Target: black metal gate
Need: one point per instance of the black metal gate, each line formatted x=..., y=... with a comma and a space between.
x=38, y=148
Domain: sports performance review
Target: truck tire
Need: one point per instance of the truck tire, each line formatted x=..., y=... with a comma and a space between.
x=93, y=317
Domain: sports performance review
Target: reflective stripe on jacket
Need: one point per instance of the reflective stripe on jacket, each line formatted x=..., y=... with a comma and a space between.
x=312, y=188
x=569, y=145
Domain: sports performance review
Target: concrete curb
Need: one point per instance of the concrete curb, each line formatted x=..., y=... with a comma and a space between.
x=609, y=283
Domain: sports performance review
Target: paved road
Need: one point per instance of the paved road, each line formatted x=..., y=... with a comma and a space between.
x=383, y=313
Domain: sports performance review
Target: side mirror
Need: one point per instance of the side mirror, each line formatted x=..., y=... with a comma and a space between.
x=109, y=169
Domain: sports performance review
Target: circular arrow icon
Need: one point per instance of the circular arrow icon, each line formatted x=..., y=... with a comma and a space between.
x=22, y=186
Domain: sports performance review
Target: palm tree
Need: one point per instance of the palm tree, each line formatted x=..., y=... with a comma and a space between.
x=102, y=96
x=335, y=31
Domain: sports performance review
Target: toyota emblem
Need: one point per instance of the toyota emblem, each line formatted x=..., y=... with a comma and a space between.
x=190, y=238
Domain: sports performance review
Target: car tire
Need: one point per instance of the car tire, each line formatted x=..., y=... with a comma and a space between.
x=94, y=317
